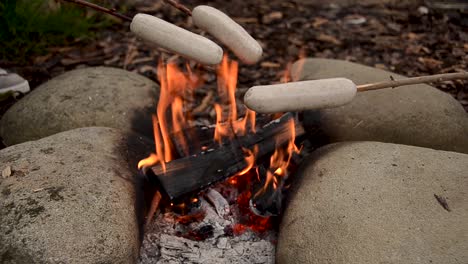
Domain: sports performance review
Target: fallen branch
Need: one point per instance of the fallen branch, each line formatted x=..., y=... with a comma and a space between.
x=414, y=80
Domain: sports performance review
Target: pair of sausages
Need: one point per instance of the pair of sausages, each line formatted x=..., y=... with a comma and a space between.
x=295, y=96
x=196, y=47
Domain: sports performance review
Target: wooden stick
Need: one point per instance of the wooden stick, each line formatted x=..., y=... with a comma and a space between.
x=414, y=80
x=112, y=12
x=179, y=6
x=100, y=9
x=154, y=207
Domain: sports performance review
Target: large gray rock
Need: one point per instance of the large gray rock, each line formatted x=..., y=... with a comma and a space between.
x=70, y=198
x=101, y=96
x=369, y=202
x=418, y=115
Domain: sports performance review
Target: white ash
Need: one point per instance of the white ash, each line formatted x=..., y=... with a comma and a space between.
x=218, y=201
x=163, y=243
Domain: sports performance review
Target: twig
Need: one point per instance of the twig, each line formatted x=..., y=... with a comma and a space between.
x=154, y=207
x=204, y=103
x=414, y=80
x=179, y=6
x=100, y=9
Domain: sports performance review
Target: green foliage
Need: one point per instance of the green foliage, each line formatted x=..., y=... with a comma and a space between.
x=28, y=27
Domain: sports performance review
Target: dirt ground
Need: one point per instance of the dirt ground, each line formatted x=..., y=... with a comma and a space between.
x=409, y=39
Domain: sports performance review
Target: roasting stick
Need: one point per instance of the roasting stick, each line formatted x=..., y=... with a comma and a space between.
x=179, y=6
x=100, y=9
x=415, y=80
x=167, y=36
x=324, y=93
x=188, y=44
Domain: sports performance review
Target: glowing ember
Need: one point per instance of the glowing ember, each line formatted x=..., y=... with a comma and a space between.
x=279, y=161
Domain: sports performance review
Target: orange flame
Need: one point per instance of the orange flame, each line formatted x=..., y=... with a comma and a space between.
x=149, y=161
x=280, y=160
x=250, y=159
x=230, y=126
x=175, y=84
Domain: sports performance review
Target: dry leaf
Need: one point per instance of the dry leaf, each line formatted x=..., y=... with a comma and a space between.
x=318, y=21
x=413, y=36
x=416, y=49
x=430, y=62
x=146, y=68
x=328, y=38
x=245, y=20
x=6, y=172
x=381, y=66
x=41, y=59
x=112, y=60
x=144, y=60
x=269, y=64
x=132, y=53
x=68, y=61
x=273, y=16
x=355, y=20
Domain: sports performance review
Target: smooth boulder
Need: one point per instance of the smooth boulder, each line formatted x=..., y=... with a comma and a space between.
x=418, y=115
x=99, y=96
x=70, y=198
x=370, y=202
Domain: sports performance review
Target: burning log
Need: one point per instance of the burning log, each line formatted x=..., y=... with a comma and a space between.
x=269, y=201
x=194, y=173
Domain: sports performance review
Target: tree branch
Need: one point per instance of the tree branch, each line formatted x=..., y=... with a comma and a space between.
x=414, y=80
x=100, y=9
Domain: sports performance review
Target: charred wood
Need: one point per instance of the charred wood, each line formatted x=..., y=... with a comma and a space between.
x=194, y=173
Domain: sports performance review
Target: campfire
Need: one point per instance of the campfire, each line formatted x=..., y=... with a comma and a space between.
x=234, y=170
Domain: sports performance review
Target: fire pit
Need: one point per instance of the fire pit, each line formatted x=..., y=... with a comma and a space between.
x=218, y=186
